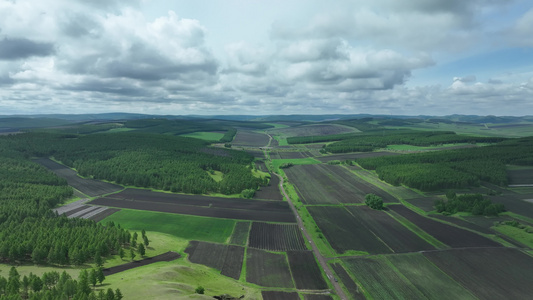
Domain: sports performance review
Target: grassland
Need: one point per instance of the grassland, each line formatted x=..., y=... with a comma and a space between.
x=182, y=226
x=205, y=135
x=521, y=235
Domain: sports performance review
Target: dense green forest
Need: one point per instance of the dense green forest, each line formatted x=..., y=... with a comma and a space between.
x=472, y=203
x=30, y=231
x=452, y=168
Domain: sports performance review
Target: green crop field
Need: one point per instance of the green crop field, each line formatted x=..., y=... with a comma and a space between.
x=183, y=226
x=205, y=135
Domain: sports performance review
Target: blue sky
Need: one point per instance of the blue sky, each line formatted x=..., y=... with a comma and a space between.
x=183, y=57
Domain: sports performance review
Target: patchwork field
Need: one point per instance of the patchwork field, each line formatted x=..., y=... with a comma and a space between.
x=230, y=208
x=271, y=191
x=89, y=187
x=276, y=237
x=328, y=184
x=246, y=138
x=490, y=273
x=449, y=235
x=395, y=235
x=353, y=290
x=267, y=269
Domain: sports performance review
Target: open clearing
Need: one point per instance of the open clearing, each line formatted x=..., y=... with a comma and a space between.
x=205, y=135
x=230, y=208
x=449, y=235
x=89, y=187
x=267, y=269
x=276, y=237
x=245, y=138
x=490, y=273
x=327, y=184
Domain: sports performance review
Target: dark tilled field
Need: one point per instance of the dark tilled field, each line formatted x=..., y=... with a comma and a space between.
x=317, y=297
x=168, y=256
x=275, y=295
x=256, y=153
x=271, y=191
x=260, y=165
x=327, y=184
x=313, y=130
x=267, y=269
x=490, y=273
x=89, y=187
x=250, y=139
x=231, y=208
x=345, y=232
x=515, y=203
x=106, y=213
x=276, y=237
x=293, y=155
x=464, y=223
x=239, y=214
x=520, y=176
x=424, y=203
x=354, y=156
x=348, y=282
x=450, y=235
x=305, y=271
x=395, y=235
x=225, y=258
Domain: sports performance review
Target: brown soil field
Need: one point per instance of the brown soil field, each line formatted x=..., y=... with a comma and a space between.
x=347, y=281
x=89, y=187
x=168, y=256
x=275, y=295
x=345, y=232
x=463, y=223
x=395, y=235
x=246, y=138
x=305, y=271
x=354, y=156
x=490, y=273
x=261, y=166
x=327, y=184
x=233, y=263
x=256, y=153
x=276, y=237
x=267, y=269
x=449, y=235
x=231, y=208
x=515, y=203
x=271, y=191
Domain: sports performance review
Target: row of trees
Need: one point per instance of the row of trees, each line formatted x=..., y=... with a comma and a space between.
x=472, y=203
x=52, y=285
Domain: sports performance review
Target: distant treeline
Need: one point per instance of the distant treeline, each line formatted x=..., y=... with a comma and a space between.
x=453, y=168
x=472, y=203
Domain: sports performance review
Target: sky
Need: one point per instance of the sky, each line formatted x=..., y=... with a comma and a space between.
x=252, y=57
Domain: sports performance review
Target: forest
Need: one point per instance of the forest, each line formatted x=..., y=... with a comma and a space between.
x=452, y=168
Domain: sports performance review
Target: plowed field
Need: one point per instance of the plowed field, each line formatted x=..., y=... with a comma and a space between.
x=276, y=237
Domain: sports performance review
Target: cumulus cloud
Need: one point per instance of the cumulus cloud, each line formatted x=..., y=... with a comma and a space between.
x=19, y=48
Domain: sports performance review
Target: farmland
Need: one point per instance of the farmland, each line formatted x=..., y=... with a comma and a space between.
x=276, y=237
x=245, y=138
x=88, y=187
x=270, y=191
x=230, y=208
x=268, y=269
x=225, y=258
x=305, y=271
x=450, y=235
x=240, y=234
x=326, y=184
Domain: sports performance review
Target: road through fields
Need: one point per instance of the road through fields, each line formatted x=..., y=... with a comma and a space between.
x=321, y=259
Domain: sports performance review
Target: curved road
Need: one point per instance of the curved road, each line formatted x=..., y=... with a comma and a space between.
x=321, y=259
